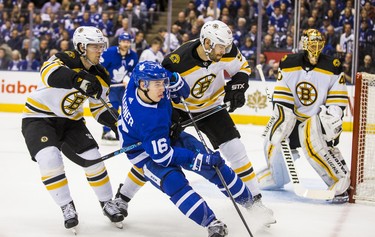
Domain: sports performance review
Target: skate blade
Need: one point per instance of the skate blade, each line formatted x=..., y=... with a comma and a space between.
x=119, y=224
x=74, y=231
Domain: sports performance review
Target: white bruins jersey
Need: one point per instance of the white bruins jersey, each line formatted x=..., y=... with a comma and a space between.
x=205, y=78
x=55, y=97
x=304, y=88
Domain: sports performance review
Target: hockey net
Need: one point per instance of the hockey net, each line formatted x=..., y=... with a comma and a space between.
x=363, y=147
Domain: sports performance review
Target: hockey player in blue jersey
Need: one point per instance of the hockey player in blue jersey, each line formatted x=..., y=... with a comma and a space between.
x=119, y=61
x=146, y=118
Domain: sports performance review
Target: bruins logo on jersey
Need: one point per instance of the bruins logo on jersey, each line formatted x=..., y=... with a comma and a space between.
x=336, y=62
x=201, y=85
x=175, y=58
x=307, y=94
x=72, y=102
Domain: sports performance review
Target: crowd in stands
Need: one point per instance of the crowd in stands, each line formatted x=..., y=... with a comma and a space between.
x=53, y=23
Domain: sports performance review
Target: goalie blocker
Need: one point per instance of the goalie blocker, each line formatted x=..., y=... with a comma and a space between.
x=317, y=137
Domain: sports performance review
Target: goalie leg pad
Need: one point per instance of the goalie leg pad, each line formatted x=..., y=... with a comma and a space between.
x=327, y=161
x=280, y=125
x=275, y=176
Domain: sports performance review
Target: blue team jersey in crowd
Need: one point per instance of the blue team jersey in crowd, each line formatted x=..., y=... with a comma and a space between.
x=149, y=124
x=118, y=66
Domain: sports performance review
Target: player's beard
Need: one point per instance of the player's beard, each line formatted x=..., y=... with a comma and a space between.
x=214, y=57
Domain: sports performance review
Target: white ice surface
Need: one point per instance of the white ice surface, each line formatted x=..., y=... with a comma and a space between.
x=27, y=210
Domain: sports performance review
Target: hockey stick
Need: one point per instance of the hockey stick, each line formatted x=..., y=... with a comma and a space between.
x=216, y=168
x=71, y=155
x=298, y=188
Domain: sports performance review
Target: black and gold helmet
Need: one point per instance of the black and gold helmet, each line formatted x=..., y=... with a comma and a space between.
x=313, y=42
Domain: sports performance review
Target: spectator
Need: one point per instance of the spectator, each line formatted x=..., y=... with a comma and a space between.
x=153, y=53
x=15, y=41
x=272, y=73
x=248, y=50
x=265, y=67
x=346, y=39
x=367, y=65
x=332, y=41
x=170, y=40
x=140, y=43
x=32, y=63
x=211, y=10
x=4, y=59
x=106, y=25
x=278, y=20
x=347, y=67
x=267, y=44
x=182, y=23
x=17, y=64
x=53, y=5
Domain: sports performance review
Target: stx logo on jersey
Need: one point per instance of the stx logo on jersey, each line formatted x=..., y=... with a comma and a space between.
x=202, y=85
x=306, y=92
x=72, y=102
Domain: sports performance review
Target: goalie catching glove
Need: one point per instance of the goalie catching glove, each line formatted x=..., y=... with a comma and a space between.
x=88, y=84
x=235, y=93
x=206, y=161
x=178, y=87
x=331, y=121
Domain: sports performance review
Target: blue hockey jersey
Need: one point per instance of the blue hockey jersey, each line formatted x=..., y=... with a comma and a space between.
x=149, y=124
x=118, y=66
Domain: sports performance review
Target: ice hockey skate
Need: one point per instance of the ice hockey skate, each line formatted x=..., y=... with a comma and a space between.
x=261, y=211
x=122, y=205
x=217, y=229
x=109, y=139
x=342, y=198
x=70, y=216
x=111, y=211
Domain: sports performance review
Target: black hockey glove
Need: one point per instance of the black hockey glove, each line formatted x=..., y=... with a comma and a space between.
x=176, y=128
x=88, y=84
x=235, y=93
x=108, y=120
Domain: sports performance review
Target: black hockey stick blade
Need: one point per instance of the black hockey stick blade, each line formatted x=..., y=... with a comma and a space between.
x=71, y=155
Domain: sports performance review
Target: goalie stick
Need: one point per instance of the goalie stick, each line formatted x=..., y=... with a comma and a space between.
x=71, y=155
x=298, y=188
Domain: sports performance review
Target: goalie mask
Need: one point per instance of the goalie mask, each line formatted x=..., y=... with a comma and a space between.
x=313, y=43
x=218, y=33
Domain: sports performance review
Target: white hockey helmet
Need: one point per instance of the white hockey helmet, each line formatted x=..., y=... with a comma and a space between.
x=218, y=33
x=85, y=35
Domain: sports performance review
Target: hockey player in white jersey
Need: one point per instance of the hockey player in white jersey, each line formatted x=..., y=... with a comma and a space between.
x=201, y=63
x=53, y=115
x=309, y=98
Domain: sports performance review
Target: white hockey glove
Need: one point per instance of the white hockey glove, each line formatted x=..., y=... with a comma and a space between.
x=331, y=121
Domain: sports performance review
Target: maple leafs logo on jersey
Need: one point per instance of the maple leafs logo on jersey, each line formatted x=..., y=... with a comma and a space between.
x=257, y=100
x=119, y=74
